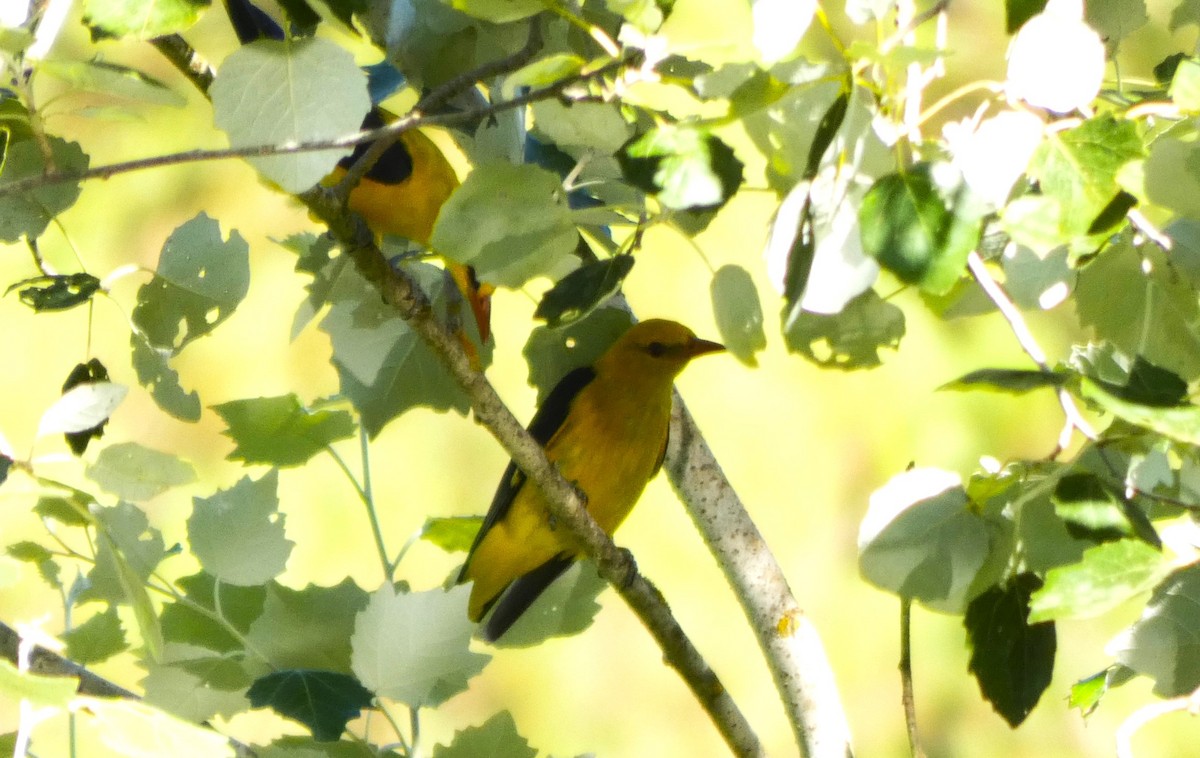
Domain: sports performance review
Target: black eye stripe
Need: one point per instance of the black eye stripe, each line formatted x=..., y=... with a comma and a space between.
x=656, y=349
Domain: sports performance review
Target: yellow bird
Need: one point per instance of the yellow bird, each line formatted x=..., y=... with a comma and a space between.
x=605, y=427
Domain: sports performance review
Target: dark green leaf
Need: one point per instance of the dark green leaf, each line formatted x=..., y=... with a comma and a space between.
x=1113, y=213
x=919, y=231
x=1093, y=510
x=826, y=130
x=1147, y=384
x=1017, y=12
x=1011, y=659
x=455, y=534
x=686, y=167
x=579, y=293
x=323, y=701
x=5, y=464
x=279, y=431
x=56, y=293
x=96, y=639
x=32, y=552
x=1180, y=423
x=1013, y=381
x=850, y=339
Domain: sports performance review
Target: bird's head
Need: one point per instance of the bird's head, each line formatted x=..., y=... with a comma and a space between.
x=657, y=346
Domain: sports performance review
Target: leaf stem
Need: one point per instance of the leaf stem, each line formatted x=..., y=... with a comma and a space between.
x=906, y=677
x=364, y=496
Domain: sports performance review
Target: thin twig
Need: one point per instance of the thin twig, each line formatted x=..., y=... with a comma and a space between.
x=398, y=126
x=1147, y=713
x=1028, y=343
x=906, y=678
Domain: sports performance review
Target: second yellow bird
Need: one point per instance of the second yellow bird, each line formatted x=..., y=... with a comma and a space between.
x=605, y=427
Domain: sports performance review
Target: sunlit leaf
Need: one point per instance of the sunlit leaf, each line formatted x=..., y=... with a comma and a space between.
x=237, y=533
x=278, y=431
x=1108, y=575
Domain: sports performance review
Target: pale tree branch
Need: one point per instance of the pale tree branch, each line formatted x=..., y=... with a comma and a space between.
x=789, y=640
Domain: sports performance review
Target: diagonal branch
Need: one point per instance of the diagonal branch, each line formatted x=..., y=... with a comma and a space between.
x=788, y=639
x=400, y=291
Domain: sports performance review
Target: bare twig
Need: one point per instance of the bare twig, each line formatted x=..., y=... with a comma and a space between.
x=789, y=641
x=906, y=678
x=1028, y=343
x=1147, y=713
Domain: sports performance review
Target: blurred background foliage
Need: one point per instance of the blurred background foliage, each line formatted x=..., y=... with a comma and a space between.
x=805, y=447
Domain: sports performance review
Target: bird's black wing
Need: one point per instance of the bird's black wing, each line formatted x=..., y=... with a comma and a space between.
x=545, y=423
x=514, y=601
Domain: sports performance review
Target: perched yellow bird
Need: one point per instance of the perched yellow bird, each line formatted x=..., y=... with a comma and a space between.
x=605, y=427
x=403, y=191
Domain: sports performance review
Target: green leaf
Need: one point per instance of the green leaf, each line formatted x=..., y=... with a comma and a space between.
x=1134, y=298
x=110, y=78
x=218, y=671
x=1170, y=177
x=1162, y=644
x=199, y=281
x=1114, y=20
x=597, y=127
x=1093, y=510
x=56, y=293
x=1185, y=85
x=850, y=339
x=1086, y=693
x=184, y=622
x=32, y=552
x=686, y=167
x=497, y=736
x=542, y=72
x=1180, y=423
x=1012, y=658
x=308, y=628
x=414, y=647
x=294, y=746
x=454, y=534
x=71, y=509
x=580, y=292
x=323, y=701
x=1017, y=12
x=498, y=11
x=134, y=472
x=279, y=431
x=154, y=372
x=276, y=92
x=175, y=690
x=133, y=587
x=129, y=552
x=1012, y=381
x=384, y=368
x=133, y=728
x=27, y=213
x=738, y=313
x=566, y=608
x=140, y=19
x=920, y=231
x=97, y=639
x=510, y=222
x=553, y=353
x=920, y=539
x=45, y=691
x=1108, y=575
x=237, y=534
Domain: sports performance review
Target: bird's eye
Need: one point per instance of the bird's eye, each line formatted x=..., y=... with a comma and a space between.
x=656, y=349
